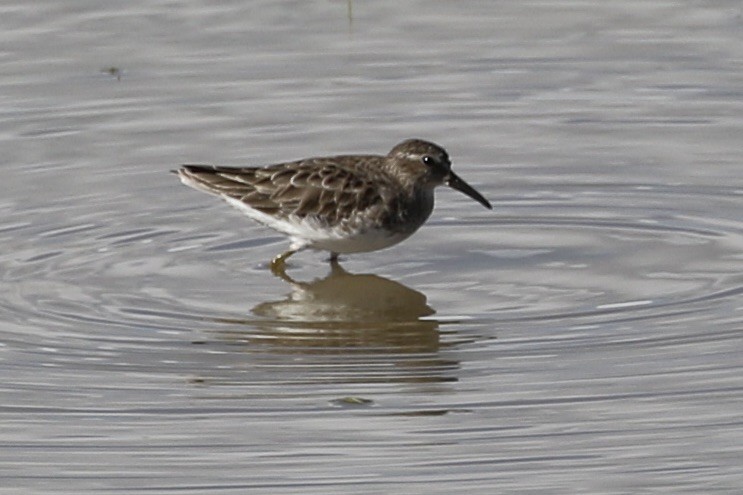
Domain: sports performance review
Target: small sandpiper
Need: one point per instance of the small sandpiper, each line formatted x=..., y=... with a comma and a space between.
x=342, y=204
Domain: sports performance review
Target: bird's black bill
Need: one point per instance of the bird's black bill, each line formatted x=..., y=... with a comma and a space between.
x=456, y=183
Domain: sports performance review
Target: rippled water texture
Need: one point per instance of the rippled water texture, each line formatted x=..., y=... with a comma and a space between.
x=583, y=337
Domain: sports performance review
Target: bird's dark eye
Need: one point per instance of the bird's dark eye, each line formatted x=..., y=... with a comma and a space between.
x=427, y=160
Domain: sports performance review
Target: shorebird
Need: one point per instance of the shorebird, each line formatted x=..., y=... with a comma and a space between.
x=341, y=204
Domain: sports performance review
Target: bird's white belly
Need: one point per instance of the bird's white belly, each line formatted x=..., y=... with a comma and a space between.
x=337, y=242
x=351, y=237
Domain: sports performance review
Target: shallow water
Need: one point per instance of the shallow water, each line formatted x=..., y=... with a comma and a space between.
x=583, y=337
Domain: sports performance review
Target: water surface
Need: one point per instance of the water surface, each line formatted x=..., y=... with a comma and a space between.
x=583, y=337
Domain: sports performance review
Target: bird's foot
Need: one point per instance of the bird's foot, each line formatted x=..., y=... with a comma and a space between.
x=278, y=264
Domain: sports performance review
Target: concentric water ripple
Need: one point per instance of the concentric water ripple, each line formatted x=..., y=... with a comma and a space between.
x=565, y=318
x=583, y=337
x=559, y=279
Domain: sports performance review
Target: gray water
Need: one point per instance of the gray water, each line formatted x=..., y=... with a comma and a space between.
x=583, y=337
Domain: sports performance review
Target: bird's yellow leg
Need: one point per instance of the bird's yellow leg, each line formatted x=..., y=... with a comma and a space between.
x=278, y=264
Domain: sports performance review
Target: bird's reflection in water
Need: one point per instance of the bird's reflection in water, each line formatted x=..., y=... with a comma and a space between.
x=364, y=325
x=345, y=310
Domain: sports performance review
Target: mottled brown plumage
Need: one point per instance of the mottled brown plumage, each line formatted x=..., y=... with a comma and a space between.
x=346, y=203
